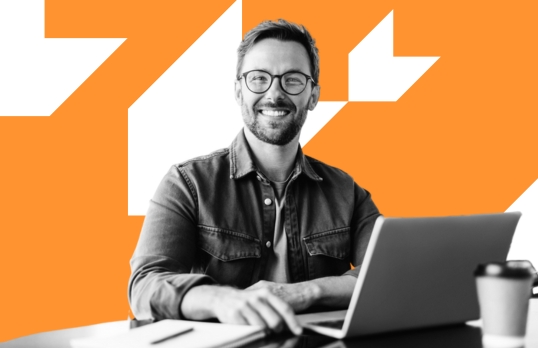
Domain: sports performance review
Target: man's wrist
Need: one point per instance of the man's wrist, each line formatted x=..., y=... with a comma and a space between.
x=308, y=293
x=200, y=301
x=312, y=292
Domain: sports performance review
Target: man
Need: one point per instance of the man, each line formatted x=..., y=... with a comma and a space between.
x=255, y=232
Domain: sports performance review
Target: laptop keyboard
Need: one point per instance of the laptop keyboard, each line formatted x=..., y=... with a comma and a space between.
x=333, y=324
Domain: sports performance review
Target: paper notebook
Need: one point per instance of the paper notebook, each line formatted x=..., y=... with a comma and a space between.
x=189, y=334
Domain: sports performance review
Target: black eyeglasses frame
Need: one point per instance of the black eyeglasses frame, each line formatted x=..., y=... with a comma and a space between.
x=244, y=76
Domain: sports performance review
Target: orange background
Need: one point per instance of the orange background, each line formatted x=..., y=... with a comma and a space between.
x=461, y=140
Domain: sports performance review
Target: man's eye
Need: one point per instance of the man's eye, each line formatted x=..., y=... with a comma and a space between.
x=259, y=78
x=293, y=81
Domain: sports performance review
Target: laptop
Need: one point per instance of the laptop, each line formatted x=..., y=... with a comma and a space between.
x=417, y=273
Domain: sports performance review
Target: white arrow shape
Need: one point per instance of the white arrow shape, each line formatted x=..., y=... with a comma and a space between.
x=318, y=118
x=36, y=74
x=526, y=237
x=191, y=111
x=375, y=74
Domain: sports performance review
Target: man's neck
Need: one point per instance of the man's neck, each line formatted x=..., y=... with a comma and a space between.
x=275, y=161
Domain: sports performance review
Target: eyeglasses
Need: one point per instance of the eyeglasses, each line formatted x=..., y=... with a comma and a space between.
x=292, y=82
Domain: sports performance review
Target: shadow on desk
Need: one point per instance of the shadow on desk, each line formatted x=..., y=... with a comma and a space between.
x=461, y=336
x=456, y=336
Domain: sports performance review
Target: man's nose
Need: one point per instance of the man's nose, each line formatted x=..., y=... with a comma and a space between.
x=275, y=92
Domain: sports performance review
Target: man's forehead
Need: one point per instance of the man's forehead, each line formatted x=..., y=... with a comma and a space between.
x=277, y=54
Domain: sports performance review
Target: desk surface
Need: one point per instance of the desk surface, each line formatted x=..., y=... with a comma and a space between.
x=455, y=336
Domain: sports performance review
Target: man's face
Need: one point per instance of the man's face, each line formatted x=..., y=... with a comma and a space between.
x=276, y=117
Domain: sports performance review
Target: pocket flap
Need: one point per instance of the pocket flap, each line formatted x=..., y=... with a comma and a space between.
x=333, y=243
x=228, y=245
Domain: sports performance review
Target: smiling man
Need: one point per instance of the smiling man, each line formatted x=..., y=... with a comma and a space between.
x=255, y=232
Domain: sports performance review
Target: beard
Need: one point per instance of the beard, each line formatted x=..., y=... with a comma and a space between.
x=277, y=132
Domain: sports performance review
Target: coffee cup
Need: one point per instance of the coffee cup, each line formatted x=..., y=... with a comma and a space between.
x=504, y=290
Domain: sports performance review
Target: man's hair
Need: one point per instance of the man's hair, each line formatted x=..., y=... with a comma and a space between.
x=284, y=31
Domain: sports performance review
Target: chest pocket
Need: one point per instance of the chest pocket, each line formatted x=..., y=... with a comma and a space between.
x=228, y=257
x=329, y=252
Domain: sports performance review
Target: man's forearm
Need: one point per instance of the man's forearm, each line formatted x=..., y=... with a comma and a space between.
x=334, y=291
x=198, y=302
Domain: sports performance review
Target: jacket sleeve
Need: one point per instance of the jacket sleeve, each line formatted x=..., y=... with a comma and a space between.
x=166, y=249
x=364, y=215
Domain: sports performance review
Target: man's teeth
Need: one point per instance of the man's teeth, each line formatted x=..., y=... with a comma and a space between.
x=274, y=112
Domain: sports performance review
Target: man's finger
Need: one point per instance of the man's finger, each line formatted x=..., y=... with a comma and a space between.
x=271, y=317
x=285, y=311
x=252, y=316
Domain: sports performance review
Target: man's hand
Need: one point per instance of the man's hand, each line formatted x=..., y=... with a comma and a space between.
x=299, y=296
x=248, y=307
x=332, y=292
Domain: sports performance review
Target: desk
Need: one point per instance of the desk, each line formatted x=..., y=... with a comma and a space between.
x=454, y=336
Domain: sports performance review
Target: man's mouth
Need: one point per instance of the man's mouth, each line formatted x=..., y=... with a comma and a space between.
x=273, y=112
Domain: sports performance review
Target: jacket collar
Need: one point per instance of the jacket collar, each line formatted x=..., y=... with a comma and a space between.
x=242, y=163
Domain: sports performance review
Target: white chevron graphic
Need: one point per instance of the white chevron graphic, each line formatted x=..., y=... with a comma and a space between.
x=36, y=74
x=318, y=118
x=375, y=75
x=182, y=116
x=525, y=240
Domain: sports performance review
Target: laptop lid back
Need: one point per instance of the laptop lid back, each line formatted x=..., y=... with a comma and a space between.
x=418, y=272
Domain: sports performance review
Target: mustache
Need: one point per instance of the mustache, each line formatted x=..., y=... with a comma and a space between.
x=278, y=104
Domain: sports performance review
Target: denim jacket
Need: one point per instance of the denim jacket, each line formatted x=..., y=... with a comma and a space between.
x=211, y=218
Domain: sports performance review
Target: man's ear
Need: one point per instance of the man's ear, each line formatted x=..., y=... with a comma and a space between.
x=314, y=97
x=238, y=93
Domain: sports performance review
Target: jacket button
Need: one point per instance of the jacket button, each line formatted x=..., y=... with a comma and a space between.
x=268, y=201
x=268, y=244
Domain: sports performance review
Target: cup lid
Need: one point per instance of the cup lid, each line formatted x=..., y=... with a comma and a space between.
x=504, y=269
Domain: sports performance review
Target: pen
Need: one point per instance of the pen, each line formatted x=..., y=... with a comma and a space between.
x=179, y=333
